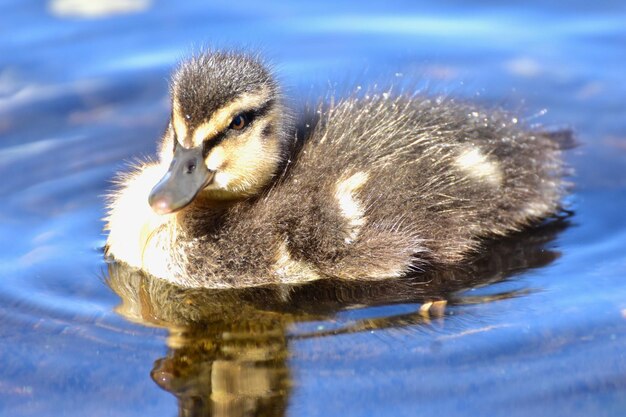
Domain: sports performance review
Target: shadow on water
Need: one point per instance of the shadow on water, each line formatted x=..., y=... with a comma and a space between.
x=229, y=349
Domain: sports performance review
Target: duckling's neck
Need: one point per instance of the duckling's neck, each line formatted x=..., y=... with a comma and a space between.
x=215, y=197
x=208, y=204
x=203, y=216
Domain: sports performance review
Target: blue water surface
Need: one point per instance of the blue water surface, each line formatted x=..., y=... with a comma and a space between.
x=540, y=329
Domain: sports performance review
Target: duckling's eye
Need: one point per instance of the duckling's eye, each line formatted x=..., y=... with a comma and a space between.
x=239, y=122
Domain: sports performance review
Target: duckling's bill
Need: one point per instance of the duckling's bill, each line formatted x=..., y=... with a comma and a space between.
x=186, y=177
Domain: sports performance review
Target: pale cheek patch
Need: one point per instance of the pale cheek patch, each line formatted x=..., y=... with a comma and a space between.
x=350, y=208
x=243, y=165
x=215, y=159
x=478, y=166
x=221, y=181
x=250, y=164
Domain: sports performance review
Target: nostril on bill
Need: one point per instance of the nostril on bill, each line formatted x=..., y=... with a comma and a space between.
x=191, y=166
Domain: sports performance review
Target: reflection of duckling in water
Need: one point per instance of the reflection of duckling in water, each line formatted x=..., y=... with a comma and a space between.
x=381, y=185
x=229, y=350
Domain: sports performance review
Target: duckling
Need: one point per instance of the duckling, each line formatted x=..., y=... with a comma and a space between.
x=379, y=185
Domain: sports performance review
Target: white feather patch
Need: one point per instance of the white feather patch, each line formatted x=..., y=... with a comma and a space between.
x=475, y=164
x=345, y=193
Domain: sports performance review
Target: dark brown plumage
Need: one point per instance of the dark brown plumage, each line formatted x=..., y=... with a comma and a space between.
x=382, y=184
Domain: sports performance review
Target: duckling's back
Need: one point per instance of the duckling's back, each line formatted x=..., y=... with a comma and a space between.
x=382, y=186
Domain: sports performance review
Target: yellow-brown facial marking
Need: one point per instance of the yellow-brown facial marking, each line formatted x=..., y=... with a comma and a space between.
x=240, y=142
x=245, y=161
x=225, y=139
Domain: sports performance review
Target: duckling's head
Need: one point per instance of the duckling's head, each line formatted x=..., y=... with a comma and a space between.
x=228, y=132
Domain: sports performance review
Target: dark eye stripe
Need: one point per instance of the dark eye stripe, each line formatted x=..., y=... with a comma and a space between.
x=250, y=115
x=265, y=107
x=210, y=143
x=207, y=145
